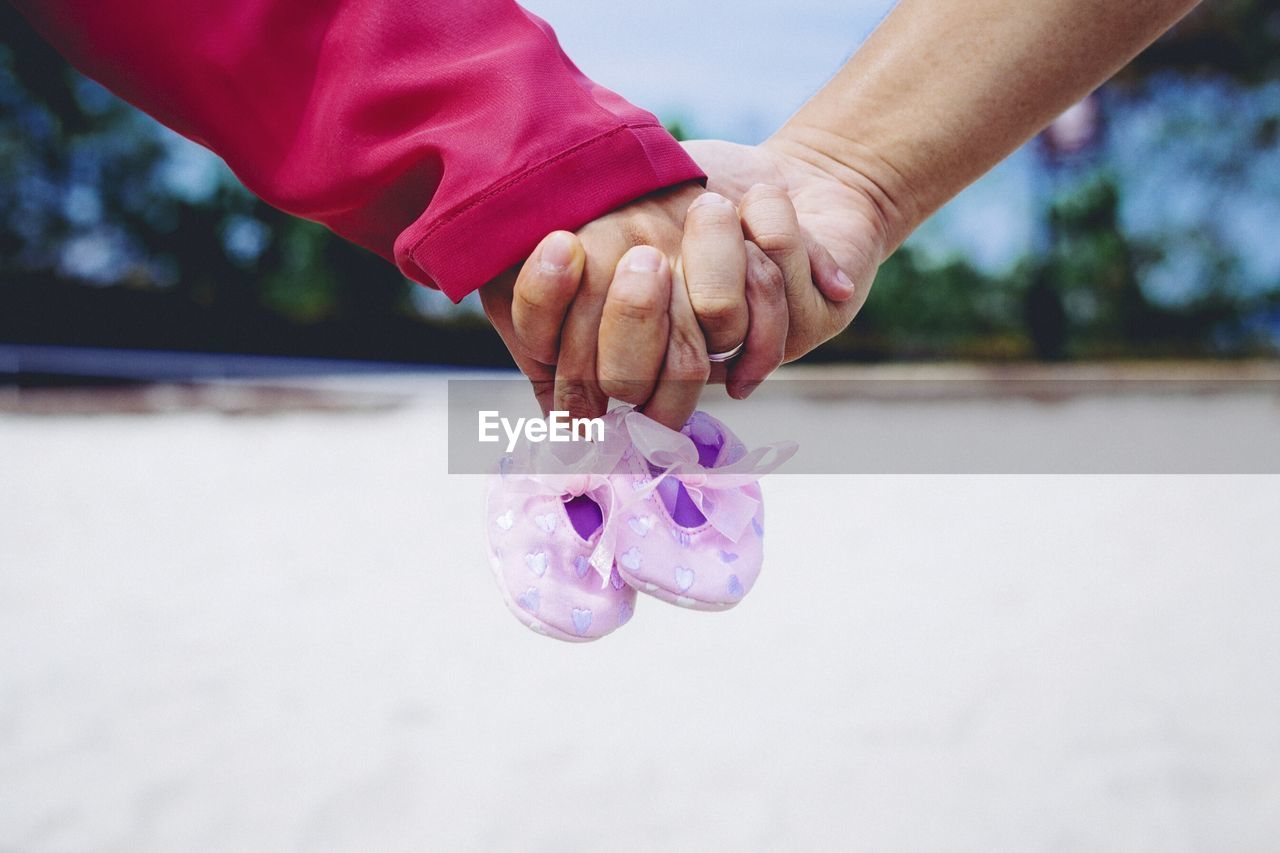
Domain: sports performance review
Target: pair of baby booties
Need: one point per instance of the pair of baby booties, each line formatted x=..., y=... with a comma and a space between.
x=676, y=515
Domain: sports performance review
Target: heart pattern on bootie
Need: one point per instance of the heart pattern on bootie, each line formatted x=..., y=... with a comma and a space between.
x=537, y=562
x=631, y=559
x=530, y=599
x=546, y=523
x=581, y=620
x=684, y=578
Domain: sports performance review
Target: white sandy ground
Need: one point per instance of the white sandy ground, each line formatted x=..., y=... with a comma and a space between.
x=277, y=633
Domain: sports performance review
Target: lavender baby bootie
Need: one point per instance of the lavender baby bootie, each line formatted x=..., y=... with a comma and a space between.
x=690, y=529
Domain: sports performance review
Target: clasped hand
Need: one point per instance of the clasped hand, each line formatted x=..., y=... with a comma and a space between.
x=777, y=254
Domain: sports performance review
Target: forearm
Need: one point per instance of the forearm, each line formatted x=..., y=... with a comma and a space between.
x=945, y=89
x=448, y=135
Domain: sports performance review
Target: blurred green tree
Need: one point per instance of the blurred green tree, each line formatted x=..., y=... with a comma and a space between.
x=112, y=233
x=1237, y=38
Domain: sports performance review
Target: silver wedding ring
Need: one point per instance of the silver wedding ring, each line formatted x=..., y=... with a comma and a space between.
x=727, y=355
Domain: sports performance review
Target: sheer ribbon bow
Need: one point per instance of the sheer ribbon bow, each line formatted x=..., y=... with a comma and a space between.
x=584, y=468
x=716, y=492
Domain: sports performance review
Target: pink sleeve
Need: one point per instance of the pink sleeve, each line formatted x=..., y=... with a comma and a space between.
x=448, y=135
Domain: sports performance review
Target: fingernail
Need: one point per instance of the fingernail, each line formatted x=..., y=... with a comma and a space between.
x=742, y=390
x=844, y=280
x=557, y=253
x=644, y=259
x=709, y=198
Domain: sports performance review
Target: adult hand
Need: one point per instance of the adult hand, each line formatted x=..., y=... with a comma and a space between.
x=551, y=321
x=826, y=209
x=583, y=331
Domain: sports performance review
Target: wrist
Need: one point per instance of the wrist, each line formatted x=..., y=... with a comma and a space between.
x=894, y=205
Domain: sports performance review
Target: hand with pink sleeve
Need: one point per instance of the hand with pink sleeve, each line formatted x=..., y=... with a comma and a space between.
x=650, y=326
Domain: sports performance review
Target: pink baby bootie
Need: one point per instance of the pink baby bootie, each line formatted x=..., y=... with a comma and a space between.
x=548, y=537
x=690, y=525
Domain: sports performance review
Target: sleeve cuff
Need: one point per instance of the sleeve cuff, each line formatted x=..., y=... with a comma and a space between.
x=475, y=241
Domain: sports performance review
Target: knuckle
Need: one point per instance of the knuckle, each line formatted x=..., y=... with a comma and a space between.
x=716, y=308
x=543, y=389
x=769, y=220
x=764, y=277
x=634, y=230
x=687, y=370
x=636, y=303
x=712, y=218
x=687, y=360
x=634, y=391
x=642, y=228
x=575, y=397
x=776, y=241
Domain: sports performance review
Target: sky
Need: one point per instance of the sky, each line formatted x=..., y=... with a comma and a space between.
x=737, y=70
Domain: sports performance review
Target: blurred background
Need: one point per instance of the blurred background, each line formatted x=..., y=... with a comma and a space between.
x=1141, y=225
x=246, y=608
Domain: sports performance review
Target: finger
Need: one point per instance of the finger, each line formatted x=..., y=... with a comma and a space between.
x=767, y=333
x=685, y=367
x=769, y=221
x=576, y=389
x=715, y=270
x=496, y=298
x=542, y=377
x=634, y=325
x=543, y=292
